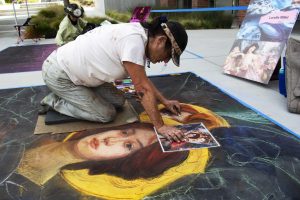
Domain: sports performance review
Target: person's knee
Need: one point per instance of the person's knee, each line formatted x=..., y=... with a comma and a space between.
x=106, y=115
x=119, y=102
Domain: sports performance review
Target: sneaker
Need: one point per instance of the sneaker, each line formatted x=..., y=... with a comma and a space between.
x=44, y=109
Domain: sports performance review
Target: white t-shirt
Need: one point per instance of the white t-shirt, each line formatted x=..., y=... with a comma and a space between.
x=97, y=56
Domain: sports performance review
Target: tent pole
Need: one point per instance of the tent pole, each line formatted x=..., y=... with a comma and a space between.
x=16, y=20
x=27, y=8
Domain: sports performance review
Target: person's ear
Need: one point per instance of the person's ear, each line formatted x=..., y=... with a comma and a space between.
x=161, y=40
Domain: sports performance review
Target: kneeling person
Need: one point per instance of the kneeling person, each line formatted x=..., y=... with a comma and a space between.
x=71, y=26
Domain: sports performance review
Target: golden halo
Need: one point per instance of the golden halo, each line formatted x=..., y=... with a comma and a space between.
x=112, y=187
x=218, y=121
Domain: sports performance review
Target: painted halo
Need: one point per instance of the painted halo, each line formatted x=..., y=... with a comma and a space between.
x=112, y=187
x=216, y=120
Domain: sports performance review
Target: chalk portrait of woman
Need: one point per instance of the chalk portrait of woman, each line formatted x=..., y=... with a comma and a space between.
x=146, y=170
x=41, y=163
x=116, y=163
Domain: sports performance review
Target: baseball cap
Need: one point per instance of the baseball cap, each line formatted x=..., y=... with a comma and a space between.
x=178, y=38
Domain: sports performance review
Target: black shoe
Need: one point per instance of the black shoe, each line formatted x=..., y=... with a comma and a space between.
x=119, y=109
x=43, y=109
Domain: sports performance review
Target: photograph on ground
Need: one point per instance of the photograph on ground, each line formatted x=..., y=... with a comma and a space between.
x=196, y=136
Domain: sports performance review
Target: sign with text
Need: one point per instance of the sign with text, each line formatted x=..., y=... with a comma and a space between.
x=261, y=39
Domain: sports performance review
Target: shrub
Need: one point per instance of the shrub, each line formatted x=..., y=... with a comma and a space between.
x=122, y=17
x=48, y=19
x=191, y=24
x=23, y=1
x=83, y=2
x=200, y=20
x=48, y=13
x=208, y=24
x=46, y=22
x=30, y=33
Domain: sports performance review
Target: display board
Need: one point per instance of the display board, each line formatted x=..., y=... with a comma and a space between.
x=261, y=39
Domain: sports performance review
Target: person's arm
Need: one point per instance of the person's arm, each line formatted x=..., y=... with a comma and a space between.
x=172, y=105
x=158, y=95
x=82, y=22
x=60, y=35
x=148, y=98
x=59, y=38
x=145, y=92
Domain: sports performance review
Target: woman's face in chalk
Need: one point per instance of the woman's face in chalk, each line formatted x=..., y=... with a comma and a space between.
x=114, y=144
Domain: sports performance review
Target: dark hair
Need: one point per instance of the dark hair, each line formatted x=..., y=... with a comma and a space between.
x=194, y=136
x=183, y=107
x=85, y=133
x=207, y=119
x=144, y=163
x=73, y=6
x=177, y=37
x=154, y=28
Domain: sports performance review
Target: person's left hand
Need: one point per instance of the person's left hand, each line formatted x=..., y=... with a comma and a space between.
x=173, y=106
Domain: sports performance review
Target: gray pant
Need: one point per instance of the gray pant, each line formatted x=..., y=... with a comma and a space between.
x=292, y=75
x=94, y=104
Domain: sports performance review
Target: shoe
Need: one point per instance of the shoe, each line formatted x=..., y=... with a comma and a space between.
x=43, y=109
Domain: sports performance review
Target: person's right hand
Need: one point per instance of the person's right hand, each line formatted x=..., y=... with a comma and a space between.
x=171, y=133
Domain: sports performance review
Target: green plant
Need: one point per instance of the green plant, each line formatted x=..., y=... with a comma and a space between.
x=199, y=20
x=83, y=2
x=46, y=22
x=122, y=17
x=48, y=13
x=191, y=24
x=22, y=1
x=30, y=33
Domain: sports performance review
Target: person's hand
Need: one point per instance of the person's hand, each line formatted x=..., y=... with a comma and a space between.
x=173, y=106
x=171, y=133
